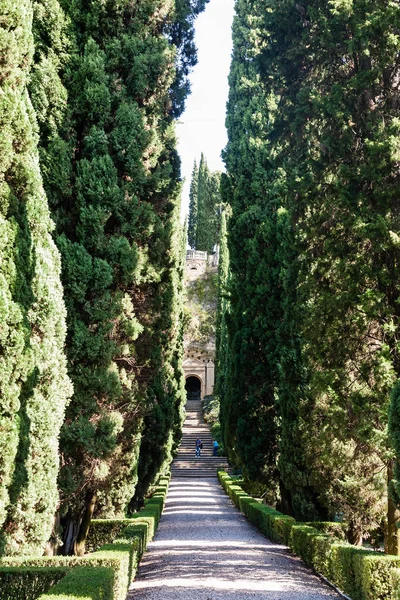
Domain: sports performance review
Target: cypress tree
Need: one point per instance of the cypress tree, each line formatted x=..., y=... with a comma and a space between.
x=222, y=348
x=248, y=407
x=221, y=339
x=193, y=207
x=112, y=176
x=208, y=200
x=312, y=100
x=343, y=201
x=34, y=387
x=338, y=256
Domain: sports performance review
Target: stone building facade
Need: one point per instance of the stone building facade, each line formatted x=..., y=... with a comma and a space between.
x=198, y=363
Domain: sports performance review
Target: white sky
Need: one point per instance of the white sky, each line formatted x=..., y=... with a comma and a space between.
x=201, y=128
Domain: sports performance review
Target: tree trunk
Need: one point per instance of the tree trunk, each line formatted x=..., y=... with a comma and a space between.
x=53, y=545
x=285, y=504
x=392, y=538
x=85, y=524
x=355, y=534
x=71, y=527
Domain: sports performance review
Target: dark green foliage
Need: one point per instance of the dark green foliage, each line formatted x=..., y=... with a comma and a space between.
x=248, y=411
x=394, y=432
x=28, y=582
x=221, y=334
x=34, y=387
x=339, y=195
x=108, y=81
x=193, y=207
x=312, y=165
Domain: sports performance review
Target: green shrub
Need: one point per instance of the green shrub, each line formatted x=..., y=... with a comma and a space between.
x=321, y=550
x=104, y=531
x=271, y=522
x=341, y=568
x=307, y=542
x=28, y=582
x=373, y=574
x=142, y=524
x=122, y=557
x=396, y=584
x=244, y=500
x=90, y=583
x=337, y=530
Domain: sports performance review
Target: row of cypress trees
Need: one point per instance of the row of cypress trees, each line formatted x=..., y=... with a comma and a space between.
x=91, y=259
x=311, y=350
x=204, y=207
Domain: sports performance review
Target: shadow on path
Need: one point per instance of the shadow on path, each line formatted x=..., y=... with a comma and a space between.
x=206, y=550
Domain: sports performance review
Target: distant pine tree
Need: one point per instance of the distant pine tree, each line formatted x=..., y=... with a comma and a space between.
x=208, y=201
x=193, y=207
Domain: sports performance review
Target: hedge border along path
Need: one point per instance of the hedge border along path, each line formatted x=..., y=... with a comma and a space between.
x=205, y=549
x=360, y=574
x=104, y=574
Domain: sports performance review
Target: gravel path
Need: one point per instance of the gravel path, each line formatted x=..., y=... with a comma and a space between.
x=205, y=549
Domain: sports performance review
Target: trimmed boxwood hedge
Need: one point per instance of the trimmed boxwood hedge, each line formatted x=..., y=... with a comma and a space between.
x=106, y=573
x=95, y=583
x=396, y=584
x=359, y=573
x=28, y=582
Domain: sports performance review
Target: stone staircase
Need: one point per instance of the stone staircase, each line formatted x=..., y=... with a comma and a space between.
x=186, y=464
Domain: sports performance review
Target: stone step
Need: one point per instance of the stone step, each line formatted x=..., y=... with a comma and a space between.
x=195, y=474
x=198, y=463
x=186, y=464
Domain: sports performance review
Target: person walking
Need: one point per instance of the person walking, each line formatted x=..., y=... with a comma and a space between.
x=215, y=448
x=199, y=446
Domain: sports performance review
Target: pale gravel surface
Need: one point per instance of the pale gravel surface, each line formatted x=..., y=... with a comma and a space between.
x=205, y=549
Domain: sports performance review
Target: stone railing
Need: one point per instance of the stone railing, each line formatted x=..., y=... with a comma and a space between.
x=196, y=255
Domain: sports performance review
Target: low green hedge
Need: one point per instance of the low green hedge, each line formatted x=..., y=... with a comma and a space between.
x=94, y=583
x=396, y=584
x=270, y=522
x=359, y=573
x=106, y=573
x=142, y=525
x=28, y=582
x=337, y=530
x=121, y=558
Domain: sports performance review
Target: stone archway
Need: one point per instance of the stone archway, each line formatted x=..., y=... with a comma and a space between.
x=193, y=385
x=203, y=369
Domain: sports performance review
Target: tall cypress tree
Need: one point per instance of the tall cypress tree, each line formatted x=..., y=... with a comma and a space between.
x=34, y=387
x=248, y=406
x=208, y=200
x=322, y=75
x=112, y=172
x=193, y=207
x=342, y=108
x=222, y=349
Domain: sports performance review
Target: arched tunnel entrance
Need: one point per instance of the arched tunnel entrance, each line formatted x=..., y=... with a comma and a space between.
x=193, y=388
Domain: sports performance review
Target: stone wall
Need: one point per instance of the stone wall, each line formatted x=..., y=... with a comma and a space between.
x=199, y=341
